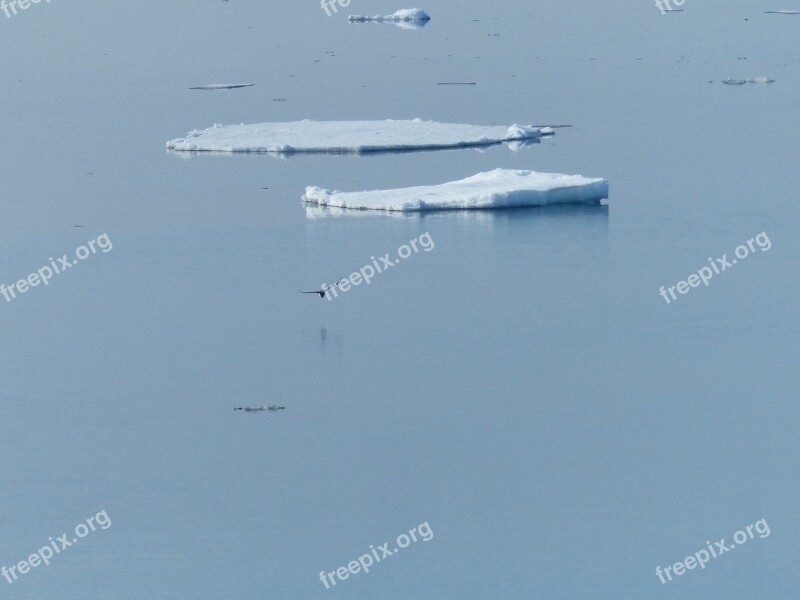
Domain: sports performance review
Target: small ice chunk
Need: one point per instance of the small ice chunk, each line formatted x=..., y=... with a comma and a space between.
x=351, y=136
x=222, y=86
x=501, y=188
x=759, y=80
x=404, y=15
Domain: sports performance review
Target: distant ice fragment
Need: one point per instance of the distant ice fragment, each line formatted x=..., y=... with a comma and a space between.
x=404, y=15
x=222, y=86
x=759, y=80
x=501, y=188
x=351, y=136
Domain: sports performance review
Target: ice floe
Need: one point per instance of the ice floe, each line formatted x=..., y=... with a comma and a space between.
x=222, y=86
x=759, y=80
x=782, y=12
x=355, y=137
x=501, y=188
x=406, y=15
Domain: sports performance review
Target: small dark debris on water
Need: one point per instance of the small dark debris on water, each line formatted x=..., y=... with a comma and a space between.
x=279, y=99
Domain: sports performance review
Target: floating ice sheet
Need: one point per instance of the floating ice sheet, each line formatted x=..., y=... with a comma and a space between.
x=405, y=15
x=351, y=136
x=759, y=80
x=222, y=86
x=501, y=188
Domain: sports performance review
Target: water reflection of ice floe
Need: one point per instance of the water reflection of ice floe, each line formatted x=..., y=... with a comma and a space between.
x=568, y=212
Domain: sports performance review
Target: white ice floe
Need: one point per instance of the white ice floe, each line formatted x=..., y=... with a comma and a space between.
x=351, y=136
x=501, y=188
x=782, y=12
x=404, y=15
x=759, y=80
x=222, y=86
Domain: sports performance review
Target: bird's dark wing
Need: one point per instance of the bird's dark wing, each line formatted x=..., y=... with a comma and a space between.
x=302, y=292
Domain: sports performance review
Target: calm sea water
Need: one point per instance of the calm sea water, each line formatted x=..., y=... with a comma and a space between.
x=522, y=388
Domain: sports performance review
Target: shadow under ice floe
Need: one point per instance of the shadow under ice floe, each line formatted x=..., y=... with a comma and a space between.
x=501, y=188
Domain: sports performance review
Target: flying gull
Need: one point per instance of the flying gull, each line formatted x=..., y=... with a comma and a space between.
x=323, y=290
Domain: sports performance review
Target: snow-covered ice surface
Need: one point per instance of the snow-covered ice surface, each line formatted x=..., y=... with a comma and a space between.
x=759, y=80
x=351, y=136
x=222, y=86
x=406, y=14
x=501, y=188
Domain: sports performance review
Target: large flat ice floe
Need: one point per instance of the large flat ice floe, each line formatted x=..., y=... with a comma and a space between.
x=501, y=188
x=406, y=15
x=351, y=136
